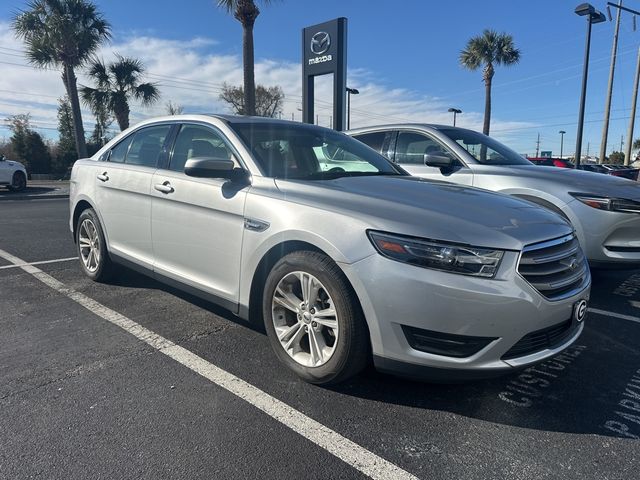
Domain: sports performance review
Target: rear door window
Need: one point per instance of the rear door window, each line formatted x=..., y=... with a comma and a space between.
x=147, y=145
x=375, y=140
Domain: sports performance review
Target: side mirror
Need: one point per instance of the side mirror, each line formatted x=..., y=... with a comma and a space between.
x=440, y=161
x=209, y=167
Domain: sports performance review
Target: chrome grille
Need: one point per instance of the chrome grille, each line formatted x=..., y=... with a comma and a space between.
x=557, y=268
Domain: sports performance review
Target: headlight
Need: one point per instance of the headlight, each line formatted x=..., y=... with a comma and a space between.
x=448, y=257
x=607, y=203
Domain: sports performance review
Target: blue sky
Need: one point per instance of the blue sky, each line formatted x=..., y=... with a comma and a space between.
x=403, y=56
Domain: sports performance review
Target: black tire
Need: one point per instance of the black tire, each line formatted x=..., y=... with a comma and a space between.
x=351, y=352
x=18, y=182
x=104, y=267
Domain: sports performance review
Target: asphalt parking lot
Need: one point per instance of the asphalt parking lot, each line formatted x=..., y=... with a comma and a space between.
x=87, y=390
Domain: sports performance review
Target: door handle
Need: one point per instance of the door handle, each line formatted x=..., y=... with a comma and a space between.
x=164, y=187
x=103, y=177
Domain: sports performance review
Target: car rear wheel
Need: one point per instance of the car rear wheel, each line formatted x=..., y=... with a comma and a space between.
x=313, y=320
x=18, y=182
x=92, y=248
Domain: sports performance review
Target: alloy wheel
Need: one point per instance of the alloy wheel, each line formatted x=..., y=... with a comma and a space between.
x=305, y=319
x=89, y=242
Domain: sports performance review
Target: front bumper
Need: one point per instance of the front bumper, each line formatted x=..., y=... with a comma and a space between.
x=504, y=309
x=607, y=238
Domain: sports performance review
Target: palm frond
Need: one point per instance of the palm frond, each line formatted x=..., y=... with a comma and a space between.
x=98, y=71
x=97, y=100
x=61, y=31
x=126, y=71
x=147, y=93
x=488, y=48
x=228, y=5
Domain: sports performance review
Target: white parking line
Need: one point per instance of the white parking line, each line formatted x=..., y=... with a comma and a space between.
x=42, y=262
x=621, y=316
x=349, y=452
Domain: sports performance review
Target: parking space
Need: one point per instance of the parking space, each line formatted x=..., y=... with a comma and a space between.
x=85, y=398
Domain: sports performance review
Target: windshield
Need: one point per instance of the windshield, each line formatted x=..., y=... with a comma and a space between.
x=306, y=152
x=484, y=149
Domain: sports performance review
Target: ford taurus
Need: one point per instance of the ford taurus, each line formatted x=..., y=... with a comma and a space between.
x=344, y=262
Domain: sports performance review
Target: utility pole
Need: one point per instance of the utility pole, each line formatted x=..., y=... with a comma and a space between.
x=538, y=146
x=612, y=68
x=561, y=132
x=634, y=99
x=621, y=142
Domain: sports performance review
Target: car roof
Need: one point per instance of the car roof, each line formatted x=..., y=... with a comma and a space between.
x=229, y=119
x=396, y=126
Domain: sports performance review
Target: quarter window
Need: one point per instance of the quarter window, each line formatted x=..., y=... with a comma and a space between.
x=147, y=145
x=411, y=148
x=119, y=152
x=197, y=141
x=375, y=140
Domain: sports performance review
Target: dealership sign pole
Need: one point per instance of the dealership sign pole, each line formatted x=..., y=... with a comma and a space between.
x=324, y=51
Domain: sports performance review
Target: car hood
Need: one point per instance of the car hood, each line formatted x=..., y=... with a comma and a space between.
x=569, y=179
x=13, y=163
x=431, y=209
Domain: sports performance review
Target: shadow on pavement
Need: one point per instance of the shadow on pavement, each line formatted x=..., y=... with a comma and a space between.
x=581, y=391
x=40, y=190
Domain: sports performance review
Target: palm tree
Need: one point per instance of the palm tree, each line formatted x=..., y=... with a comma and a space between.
x=487, y=50
x=63, y=34
x=116, y=84
x=246, y=12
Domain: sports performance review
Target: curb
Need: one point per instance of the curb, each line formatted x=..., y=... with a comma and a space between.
x=34, y=197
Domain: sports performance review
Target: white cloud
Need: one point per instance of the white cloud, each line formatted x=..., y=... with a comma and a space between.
x=190, y=73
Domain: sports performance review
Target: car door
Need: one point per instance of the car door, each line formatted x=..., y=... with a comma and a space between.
x=123, y=192
x=6, y=172
x=198, y=223
x=412, y=146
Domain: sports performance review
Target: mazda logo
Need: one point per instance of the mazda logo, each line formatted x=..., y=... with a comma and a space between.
x=320, y=43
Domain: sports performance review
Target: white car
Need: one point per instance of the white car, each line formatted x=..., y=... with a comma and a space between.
x=12, y=174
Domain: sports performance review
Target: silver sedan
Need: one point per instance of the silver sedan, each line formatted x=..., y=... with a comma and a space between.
x=604, y=210
x=343, y=263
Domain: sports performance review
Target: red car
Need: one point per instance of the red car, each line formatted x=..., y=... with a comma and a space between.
x=551, y=162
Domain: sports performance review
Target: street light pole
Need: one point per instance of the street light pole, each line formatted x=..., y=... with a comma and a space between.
x=612, y=68
x=561, y=132
x=455, y=111
x=593, y=16
x=350, y=91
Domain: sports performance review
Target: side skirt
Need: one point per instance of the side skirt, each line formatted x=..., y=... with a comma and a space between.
x=233, y=307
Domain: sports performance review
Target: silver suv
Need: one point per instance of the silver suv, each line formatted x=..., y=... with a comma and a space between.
x=604, y=210
x=343, y=263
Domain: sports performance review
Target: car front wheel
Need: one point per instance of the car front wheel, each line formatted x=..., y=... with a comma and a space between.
x=18, y=182
x=313, y=320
